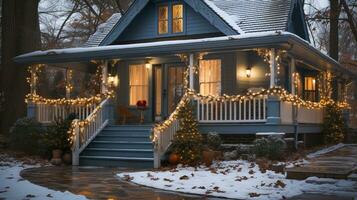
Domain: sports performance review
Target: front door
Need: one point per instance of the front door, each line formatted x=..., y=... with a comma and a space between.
x=168, y=89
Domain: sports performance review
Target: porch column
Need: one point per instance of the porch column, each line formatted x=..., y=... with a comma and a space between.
x=272, y=68
x=31, y=107
x=68, y=83
x=104, y=82
x=273, y=102
x=292, y=76
x=191, y=72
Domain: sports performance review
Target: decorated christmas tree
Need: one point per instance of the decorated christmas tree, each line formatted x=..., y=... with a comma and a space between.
x=187, y=143
x=334, y=128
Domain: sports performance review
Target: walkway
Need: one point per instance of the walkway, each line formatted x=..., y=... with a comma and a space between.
x=339, y=164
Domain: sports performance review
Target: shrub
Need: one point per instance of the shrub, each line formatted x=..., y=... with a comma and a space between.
x=26, y=135
x=213, y=141
x=271, y=147
x=57, y=134
x=187, y=142
x=334, y=128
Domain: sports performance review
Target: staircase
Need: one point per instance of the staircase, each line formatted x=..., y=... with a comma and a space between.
x=126, y=146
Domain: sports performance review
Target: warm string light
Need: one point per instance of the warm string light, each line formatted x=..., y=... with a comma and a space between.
x=69, y=77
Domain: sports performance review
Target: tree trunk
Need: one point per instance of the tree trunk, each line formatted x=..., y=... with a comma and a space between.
x=333, y=42
x=20, y=34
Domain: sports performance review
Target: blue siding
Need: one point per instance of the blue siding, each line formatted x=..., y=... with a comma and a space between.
x=194, y=24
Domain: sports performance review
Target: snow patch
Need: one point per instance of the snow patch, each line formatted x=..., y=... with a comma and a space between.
x=325, y=150
x=235, y=179
x=13, y=186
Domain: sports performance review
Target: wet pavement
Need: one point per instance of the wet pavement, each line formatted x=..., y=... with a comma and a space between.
x=102, y=183
x=337, y=164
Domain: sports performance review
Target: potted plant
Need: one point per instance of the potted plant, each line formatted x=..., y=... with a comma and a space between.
x=57, y=139
x=211, y=151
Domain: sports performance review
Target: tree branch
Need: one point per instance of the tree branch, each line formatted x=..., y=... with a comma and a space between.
x=350, y=19
x=65, y=21
x=91, y=9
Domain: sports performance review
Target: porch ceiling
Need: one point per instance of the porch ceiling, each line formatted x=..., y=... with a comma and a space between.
x=296, y=46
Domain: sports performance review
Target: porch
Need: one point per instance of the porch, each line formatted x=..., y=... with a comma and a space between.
x=239, y=85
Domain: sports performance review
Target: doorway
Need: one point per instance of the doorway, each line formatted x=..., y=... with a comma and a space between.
x=168, y=89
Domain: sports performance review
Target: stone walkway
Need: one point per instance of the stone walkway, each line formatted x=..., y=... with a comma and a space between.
x=338, y=164
x=101, y=183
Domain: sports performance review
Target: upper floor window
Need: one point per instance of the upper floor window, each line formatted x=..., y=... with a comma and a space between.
x=170, y=18
x=177, y=18
x=163, y=19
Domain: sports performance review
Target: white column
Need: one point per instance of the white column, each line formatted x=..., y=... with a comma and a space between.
x=292, y=74
x=272, y=68
x=104, y=77
x=33, y=81
x=191, y=65
x=68, y=91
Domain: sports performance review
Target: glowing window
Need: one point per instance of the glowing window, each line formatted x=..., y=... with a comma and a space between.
x=138, y=84
x=177, y=18
x=163, y=19
x=210, y=77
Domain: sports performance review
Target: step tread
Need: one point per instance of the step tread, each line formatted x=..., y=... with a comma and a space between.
x=121, y=136
x=121, y=142
x=111, y=149
x=117, y=158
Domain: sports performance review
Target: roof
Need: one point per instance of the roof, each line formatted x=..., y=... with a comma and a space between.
x=255, y=15
x=102, y=31
x=243, y=16
x=298, y=47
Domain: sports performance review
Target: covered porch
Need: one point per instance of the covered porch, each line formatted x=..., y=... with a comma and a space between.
x=242, y=84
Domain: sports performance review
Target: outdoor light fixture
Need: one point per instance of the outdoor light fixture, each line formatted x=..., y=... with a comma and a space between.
x=113, y=80
x=248, y=72
x=147, y=64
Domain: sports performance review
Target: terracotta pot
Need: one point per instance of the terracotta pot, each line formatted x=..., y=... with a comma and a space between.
x=174, y=159
x=67, y=158
x=208, y=157
x=56, y=157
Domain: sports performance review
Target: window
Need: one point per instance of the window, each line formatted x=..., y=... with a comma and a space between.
x=138, y=84
x=210, y=77
x=177, y=18
x=310, y=88
x=163, y=19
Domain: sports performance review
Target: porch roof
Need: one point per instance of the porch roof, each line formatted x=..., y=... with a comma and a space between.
x=297, y=47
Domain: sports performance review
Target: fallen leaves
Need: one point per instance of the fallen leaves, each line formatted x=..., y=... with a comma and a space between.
x=253, y=194
x=280, y=184
x=184, y=177
x=127, y=178
x=168, y=180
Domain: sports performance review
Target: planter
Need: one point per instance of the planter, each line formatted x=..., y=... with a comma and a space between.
x=208, y=156
x=174, y=159
x=67, y=158
x=56, y=157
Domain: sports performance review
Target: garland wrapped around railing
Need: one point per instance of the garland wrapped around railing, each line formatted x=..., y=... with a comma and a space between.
x=276, y=91
x=37, y=99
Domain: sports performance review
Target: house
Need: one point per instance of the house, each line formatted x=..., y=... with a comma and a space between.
x=247, y=66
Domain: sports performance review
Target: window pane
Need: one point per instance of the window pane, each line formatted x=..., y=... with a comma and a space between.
x=163, y=20
x=138, y=84
x=177, y=26
x=177, y=11
x=210, y=77
x=310, y=83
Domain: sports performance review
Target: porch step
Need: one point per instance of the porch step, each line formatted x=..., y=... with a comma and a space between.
x=352, y=177
x=127, y=146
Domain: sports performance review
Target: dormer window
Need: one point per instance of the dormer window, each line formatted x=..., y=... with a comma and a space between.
x=177, y=18
x=163, y=19
x=170, y=18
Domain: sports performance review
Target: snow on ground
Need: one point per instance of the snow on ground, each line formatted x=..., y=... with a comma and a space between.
x=325, y=150
x=237, y=179
x=13, y=186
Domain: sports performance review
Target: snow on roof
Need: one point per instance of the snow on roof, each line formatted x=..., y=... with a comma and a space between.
x=102, y=31
x=254, y=15
x=244, y=16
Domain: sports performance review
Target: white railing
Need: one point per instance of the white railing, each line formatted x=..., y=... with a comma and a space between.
x=247, y=110
x=164, y=140
x=46, y=113
x=84, y=131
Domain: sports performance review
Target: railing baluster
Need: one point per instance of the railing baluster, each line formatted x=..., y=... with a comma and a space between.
x=198, y=110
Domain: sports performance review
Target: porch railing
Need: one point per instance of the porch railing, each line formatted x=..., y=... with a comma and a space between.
x=247, y=110
x=46, y=113
x=84, y=131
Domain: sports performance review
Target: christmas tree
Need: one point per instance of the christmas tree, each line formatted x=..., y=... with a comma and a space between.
x=334, y=128
x=187, y=142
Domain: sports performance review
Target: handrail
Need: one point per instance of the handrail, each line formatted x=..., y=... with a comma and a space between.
x=84, y=131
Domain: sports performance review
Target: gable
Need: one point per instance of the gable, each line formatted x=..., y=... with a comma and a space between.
x=297, y=23
x=144, y=27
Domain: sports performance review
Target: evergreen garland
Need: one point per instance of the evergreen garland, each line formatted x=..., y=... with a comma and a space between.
x=334, y=128
x=187, y=142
